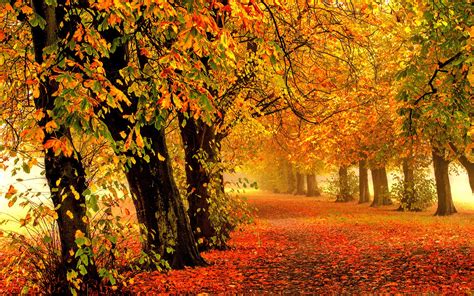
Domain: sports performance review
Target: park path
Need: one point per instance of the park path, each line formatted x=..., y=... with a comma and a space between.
x=302, y=245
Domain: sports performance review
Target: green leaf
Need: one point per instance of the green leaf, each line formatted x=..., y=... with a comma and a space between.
x=82, y=270
x=53, y=3
x=25, y=167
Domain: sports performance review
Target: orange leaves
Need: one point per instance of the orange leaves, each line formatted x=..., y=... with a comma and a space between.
x=59, y=146
x=9, y=194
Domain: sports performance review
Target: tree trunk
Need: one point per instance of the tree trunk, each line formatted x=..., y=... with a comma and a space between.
x=469, y=166
x=299, y=184
x=408, y=198
x=381, y=193
x=158, y=203
x=364, y=193
x=290, y=178
x=150, y=209
x=186, y=252
x=200, y=152
x=312, y=186
x=65, y=174
x=443, y=187
x=344, y=187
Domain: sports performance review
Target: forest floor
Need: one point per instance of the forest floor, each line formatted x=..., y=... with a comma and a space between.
x=301, y=245
x=314, y=245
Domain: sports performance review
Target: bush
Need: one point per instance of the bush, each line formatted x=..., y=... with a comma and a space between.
x=332, y=187
x=424, y=194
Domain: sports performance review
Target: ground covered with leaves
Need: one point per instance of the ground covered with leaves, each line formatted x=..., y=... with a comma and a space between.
x=301, y=244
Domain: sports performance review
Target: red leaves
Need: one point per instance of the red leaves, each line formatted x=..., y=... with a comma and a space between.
x=309, y=245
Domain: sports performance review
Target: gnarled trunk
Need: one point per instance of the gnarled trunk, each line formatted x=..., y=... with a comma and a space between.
x=443, y=187
x=65, y=174
x=344, y=187
x=364, y=194
x=186, y=252
x=381, y=193
x=312, y=185
x=299, y=184
x=200, y=152
x=469, y=166
x=160, y=209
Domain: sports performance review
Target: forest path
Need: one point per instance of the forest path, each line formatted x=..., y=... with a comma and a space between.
x=338, y=247
x=314, y=245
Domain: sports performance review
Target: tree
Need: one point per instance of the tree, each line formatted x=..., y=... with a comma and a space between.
x=436, y=84
x=63, y=167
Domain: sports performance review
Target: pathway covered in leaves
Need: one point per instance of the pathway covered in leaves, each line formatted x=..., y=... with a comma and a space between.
x=301, y=244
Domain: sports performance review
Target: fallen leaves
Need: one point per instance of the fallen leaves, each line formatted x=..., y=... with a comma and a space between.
x=315, y=246
x=309, y=245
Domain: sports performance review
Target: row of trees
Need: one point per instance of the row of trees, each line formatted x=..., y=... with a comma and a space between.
x=401, y=94
x=94, y=86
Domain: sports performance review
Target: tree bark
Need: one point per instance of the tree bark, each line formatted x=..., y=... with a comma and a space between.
x=469, y=166
x=65, y=174
x=312, y=186
x=157, y=201
x=299, y=184
x=200, y=153
x=408, y=186
x=344, y=187
x=381, y=193
x=291, y=180
x=443, y=186
x=364, y=193
x=186, y=252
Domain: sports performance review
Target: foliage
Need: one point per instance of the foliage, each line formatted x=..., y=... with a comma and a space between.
x=333, y=188
x=39, y=249
x=423, y=195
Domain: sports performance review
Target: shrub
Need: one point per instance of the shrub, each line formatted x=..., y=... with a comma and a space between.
x=424, y=194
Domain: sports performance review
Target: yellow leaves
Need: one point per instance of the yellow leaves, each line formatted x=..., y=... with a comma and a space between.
x=51, y=126
x=139, y=139
x=128, y=142
x=79, y=234
x=78, y=34
x=471, y=32
x=74, y=192
x=36, y=91
x=26, y=9
x=59, y=146
x=11, y=191
x=70, y=214
x=161, y=157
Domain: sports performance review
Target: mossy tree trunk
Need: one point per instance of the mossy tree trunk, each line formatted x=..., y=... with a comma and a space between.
x=344, y=186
